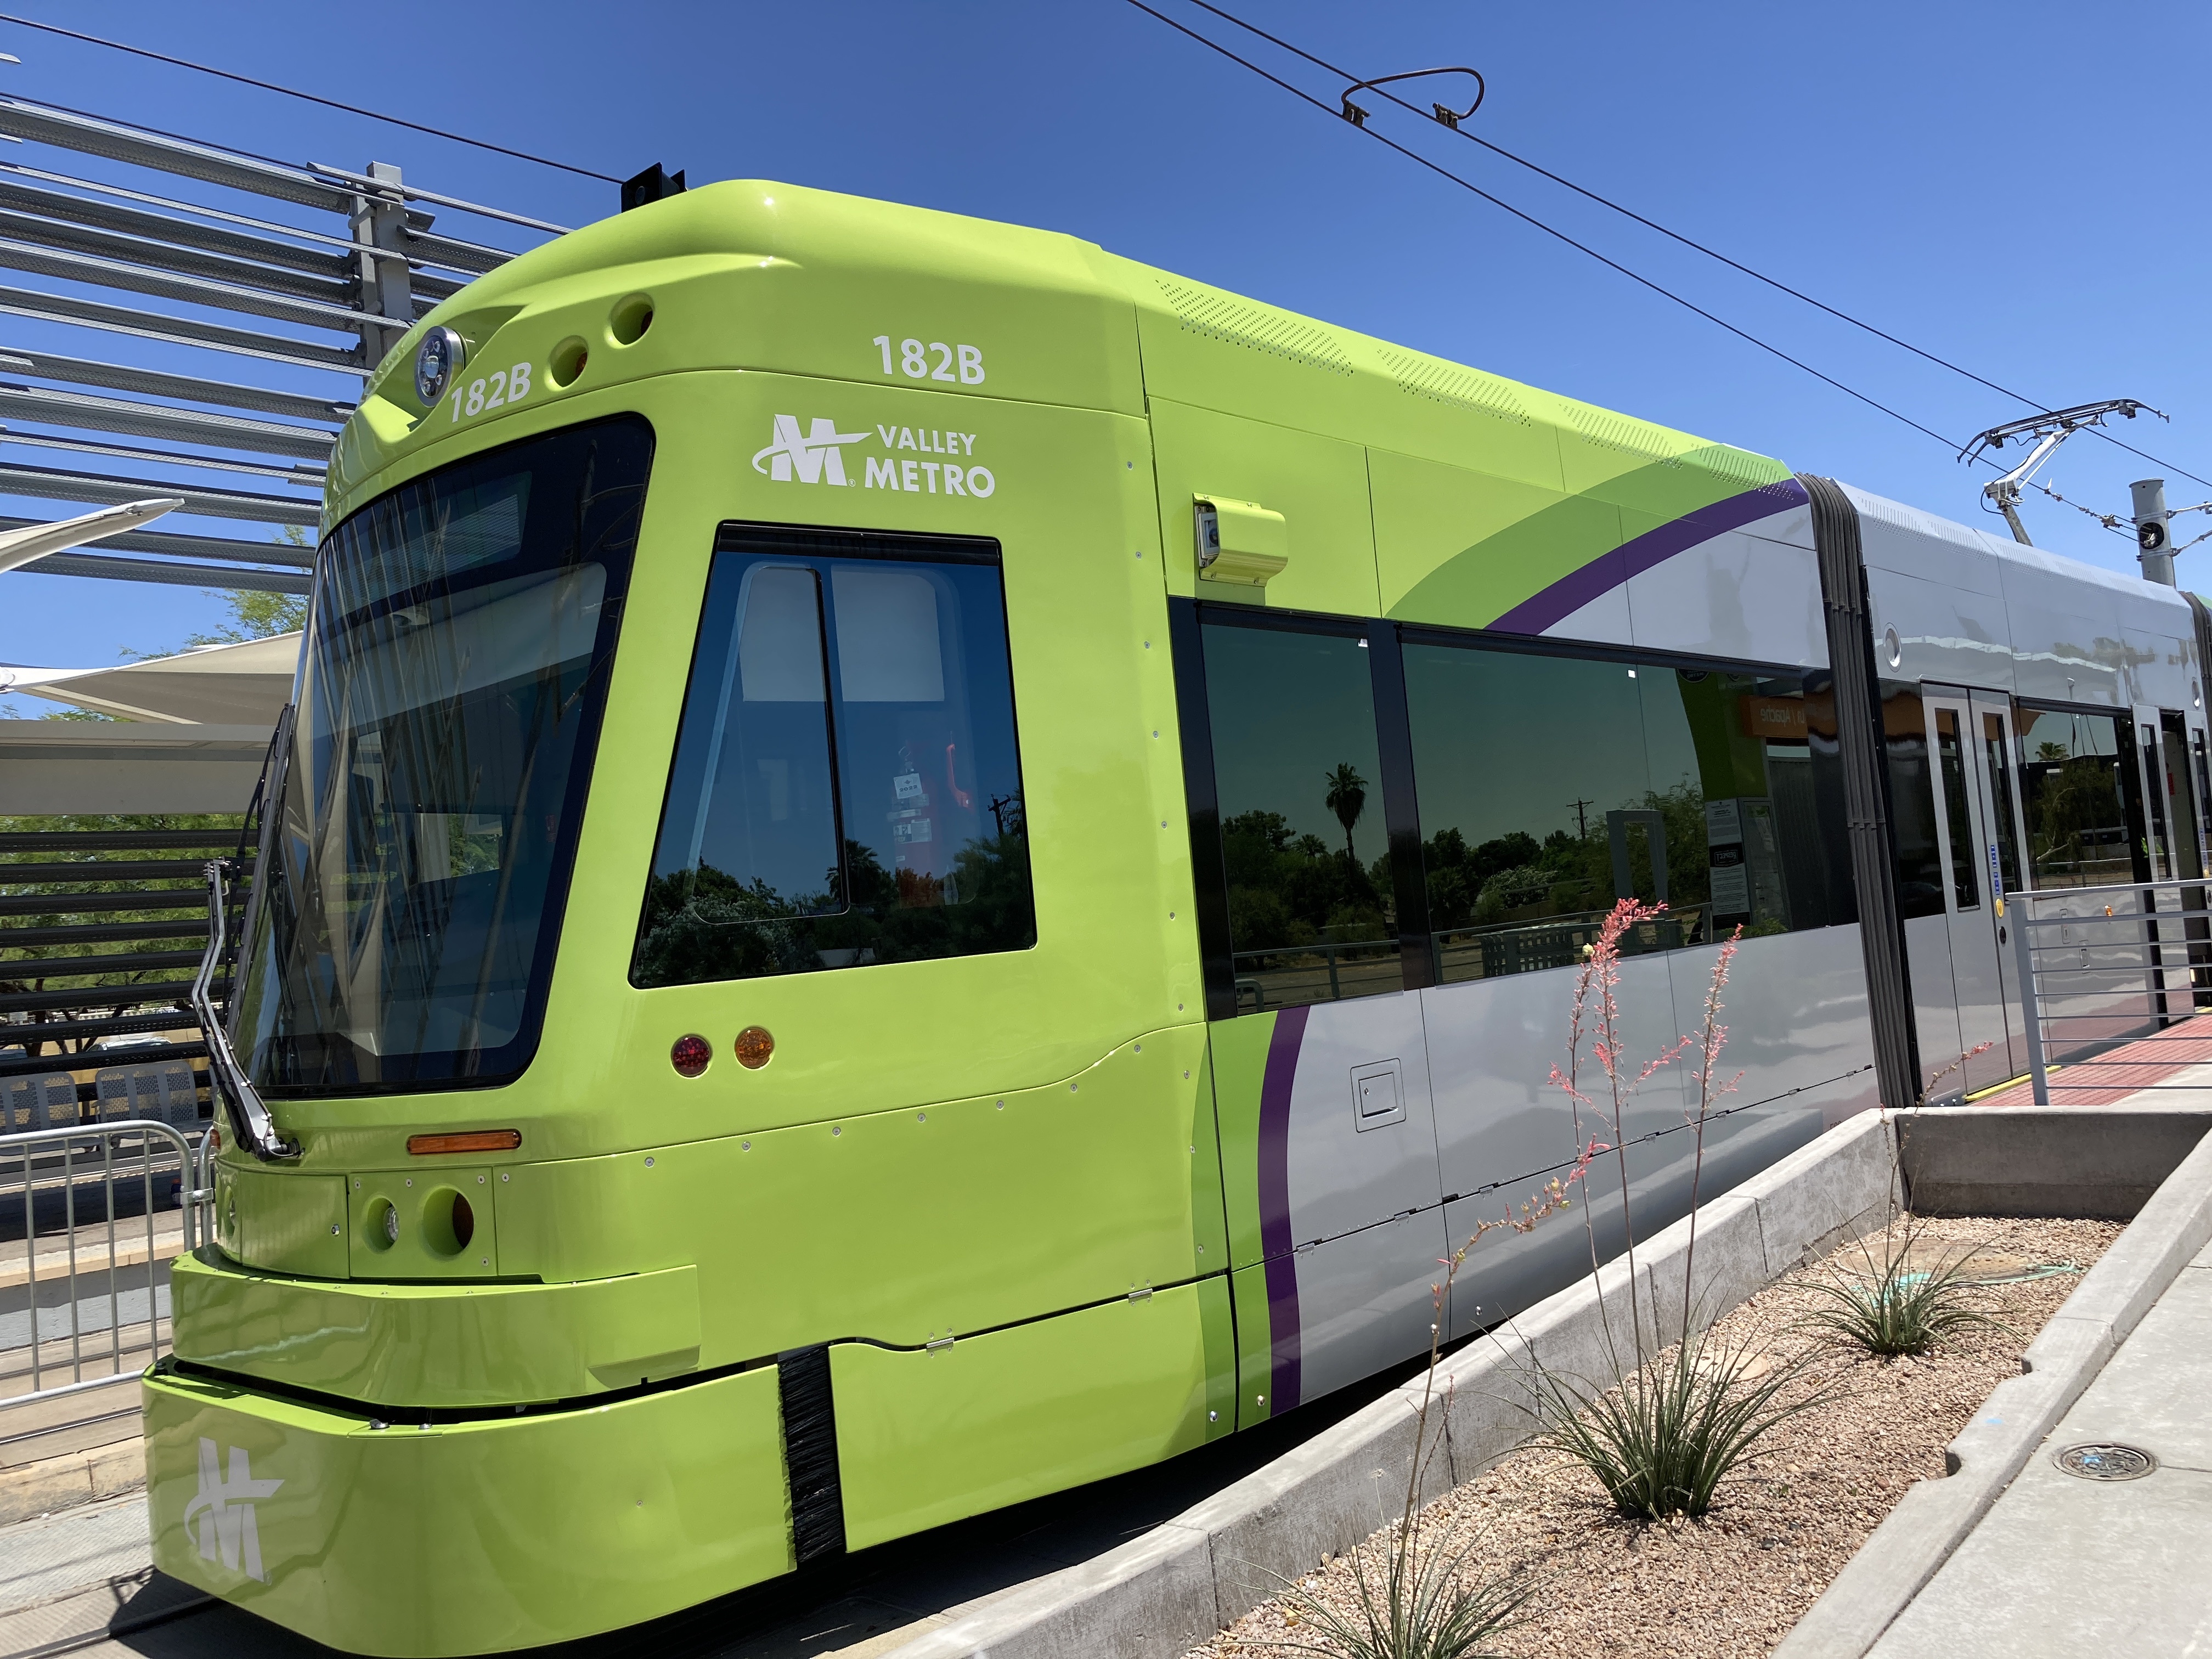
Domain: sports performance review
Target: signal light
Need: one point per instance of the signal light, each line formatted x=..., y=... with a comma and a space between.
x=690, y=1054
x=473, y=1140
x=753, y=1048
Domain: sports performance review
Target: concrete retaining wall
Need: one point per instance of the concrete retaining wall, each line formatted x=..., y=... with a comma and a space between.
x=1180, y=1583
x=2045, y=1160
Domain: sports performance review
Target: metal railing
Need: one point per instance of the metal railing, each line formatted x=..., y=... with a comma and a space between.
x=90, y=1216
x=2111, y=978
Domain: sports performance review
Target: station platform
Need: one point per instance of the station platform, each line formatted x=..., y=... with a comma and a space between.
x=2064, y=1565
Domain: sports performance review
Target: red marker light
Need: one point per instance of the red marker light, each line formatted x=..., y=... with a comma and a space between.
x=690, y=1055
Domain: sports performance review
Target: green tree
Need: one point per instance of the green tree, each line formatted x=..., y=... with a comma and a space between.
x=1347, y=799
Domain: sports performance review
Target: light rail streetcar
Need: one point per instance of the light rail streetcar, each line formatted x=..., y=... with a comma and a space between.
x=915, y=865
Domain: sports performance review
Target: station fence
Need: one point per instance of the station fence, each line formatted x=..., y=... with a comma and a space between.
x=91, y=1214
x=2111, y=979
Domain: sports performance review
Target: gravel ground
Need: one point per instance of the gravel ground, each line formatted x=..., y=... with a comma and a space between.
x=1735, y=1581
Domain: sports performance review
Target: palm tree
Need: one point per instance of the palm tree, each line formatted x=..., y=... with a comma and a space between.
x=1347, y=799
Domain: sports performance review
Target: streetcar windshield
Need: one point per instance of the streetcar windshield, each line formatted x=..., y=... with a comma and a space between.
x=448, y=705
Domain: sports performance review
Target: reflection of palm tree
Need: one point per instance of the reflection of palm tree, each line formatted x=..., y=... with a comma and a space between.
x=1347, y=799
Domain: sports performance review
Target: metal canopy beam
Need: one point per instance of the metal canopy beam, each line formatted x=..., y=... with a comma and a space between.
x=302, y=473
x=175, y=545
x=56, y=485
x=189, y=290
x=158, y=383
x=180, y=331
x=176, y=575
x=40, y=230
x=191, y=426
x=199, y=213
x=324, y=262
x=89, y=134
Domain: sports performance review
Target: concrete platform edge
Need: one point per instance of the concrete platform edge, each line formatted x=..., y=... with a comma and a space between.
x=1175, y=1585
x=1905, y=1552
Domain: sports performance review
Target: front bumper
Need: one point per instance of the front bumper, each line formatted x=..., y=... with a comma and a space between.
x=471, y=1537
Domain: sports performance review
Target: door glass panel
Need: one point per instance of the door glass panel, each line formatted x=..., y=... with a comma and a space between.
x=1951, y=755
x=2203, y=780
x=2070, y=790
x=1298, y=774
x=1911, y=803
x=2188, y=847
x=2152, y=767
x=1998, y=754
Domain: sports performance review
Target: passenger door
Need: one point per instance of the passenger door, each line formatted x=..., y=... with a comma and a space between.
x=1966, y=832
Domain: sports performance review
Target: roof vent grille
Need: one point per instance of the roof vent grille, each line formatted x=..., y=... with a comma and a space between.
x=1462, y=388
x=1237, y=322
x=1610, y=431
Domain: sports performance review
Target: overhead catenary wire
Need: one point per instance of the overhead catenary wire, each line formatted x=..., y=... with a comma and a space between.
x=1549, y=230
x=1673, y=235
x=308, y=97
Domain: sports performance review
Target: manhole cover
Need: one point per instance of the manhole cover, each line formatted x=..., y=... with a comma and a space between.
x=2102, y=1460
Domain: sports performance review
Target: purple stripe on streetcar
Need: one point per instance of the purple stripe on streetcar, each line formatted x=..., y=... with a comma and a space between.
x=1275, y=1237
x=1652, y=549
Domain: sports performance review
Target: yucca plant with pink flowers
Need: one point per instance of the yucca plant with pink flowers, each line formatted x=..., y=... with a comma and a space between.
x=1671, y=1421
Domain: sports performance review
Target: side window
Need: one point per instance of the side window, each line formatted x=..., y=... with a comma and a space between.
x=1299, y=776
x=1745, y=770
x=1527, y=770
x=1550, y=786
x=846, y=787
x=2071, y=791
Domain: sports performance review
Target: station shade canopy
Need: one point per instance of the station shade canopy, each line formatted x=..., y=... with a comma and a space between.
x=243, y=684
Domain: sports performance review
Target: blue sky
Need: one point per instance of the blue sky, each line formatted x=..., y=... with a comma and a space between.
x=1885, y=158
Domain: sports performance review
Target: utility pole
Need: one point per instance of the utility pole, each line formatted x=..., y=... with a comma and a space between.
x=2152, y=534
x=1581, y=818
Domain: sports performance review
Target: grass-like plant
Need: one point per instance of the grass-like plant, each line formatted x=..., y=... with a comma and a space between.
x=1421, y=1601
x=1416, y=1604
x=1892, y=1308
x=1660, y=1440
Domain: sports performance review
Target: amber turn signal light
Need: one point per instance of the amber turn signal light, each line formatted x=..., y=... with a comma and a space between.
x=690, y=1054
x=474, y=1141
x=753, y=1047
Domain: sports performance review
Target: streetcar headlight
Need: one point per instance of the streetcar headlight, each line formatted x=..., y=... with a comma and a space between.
x=437, y=360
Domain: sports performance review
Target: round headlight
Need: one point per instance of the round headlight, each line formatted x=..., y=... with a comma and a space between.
x=437, y=360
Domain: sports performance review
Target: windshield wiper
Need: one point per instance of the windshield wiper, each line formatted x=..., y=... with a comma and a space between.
x=249, y=1117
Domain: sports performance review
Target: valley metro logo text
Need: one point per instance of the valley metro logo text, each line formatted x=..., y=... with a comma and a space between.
x=818, y=456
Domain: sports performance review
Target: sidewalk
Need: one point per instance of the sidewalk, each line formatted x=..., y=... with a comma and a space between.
x=2063, y=1566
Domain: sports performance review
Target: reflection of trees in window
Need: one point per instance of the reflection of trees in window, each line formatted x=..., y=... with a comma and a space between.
x=1288, y=890
x=1544, y=783
x=2077, y=832
x=690, y=936
x=1347, y=798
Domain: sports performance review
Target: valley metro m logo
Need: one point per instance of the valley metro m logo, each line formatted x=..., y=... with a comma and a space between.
x=226, y=1511
x=819, y=450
